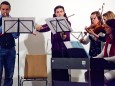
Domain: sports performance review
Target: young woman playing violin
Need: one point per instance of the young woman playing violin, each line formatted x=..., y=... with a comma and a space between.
x=96, y=26
x=95, y=45
x=58, y=48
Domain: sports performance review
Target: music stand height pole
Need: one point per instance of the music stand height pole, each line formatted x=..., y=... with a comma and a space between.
x=62, y=36
x=18, y=53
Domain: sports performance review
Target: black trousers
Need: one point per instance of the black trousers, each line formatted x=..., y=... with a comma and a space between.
x=95, y=75
x=111, y=83
x=60, y=74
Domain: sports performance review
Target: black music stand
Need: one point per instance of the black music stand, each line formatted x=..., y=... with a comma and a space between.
x=58, y=24
x=18, y=25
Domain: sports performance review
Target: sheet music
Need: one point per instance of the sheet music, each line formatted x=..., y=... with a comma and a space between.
x=72, y=44
x=58, y=24
x=75, y=46
x=10, y=25
x=68, y=44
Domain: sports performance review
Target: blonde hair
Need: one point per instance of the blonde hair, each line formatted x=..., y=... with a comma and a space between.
x=109, y=15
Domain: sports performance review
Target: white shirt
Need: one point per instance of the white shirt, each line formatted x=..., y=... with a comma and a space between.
x=109, y=74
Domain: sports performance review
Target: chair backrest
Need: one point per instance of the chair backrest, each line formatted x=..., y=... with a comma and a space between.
x=35, y=67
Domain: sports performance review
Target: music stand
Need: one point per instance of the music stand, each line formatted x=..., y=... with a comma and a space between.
x=58, y=24
x=18, y=25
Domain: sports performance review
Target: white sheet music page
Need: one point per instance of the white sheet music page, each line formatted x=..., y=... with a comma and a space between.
x=58, y=24
x=68, y=44
x=12, y=24
x=72, y=44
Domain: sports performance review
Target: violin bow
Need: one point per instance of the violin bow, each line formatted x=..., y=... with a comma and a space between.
x=102, y=8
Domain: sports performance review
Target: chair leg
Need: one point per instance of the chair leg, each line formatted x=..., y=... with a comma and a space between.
x=46, y=82
x=21, y=81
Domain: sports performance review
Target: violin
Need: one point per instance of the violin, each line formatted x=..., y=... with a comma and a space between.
x=96, y=28
x=99, y=28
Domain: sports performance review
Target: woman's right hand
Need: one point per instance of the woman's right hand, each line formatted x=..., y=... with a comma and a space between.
x=82, y=40
x=38, y=27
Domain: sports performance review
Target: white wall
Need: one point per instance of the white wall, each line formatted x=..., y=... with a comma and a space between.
x=42, y=9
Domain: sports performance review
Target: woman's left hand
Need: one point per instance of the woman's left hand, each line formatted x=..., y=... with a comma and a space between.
x=63, y=36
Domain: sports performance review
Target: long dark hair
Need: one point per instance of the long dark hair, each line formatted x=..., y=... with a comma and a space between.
x=111, y=23
x=57, y=7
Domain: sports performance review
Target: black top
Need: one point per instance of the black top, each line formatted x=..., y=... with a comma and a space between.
x=95, y=47
x=6, y=40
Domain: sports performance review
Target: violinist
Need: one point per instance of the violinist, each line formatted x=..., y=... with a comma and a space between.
x=58, y=48
x=95, y=45
x=106, y=16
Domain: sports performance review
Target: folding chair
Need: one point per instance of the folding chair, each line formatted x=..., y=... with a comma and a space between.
x=35, y=69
